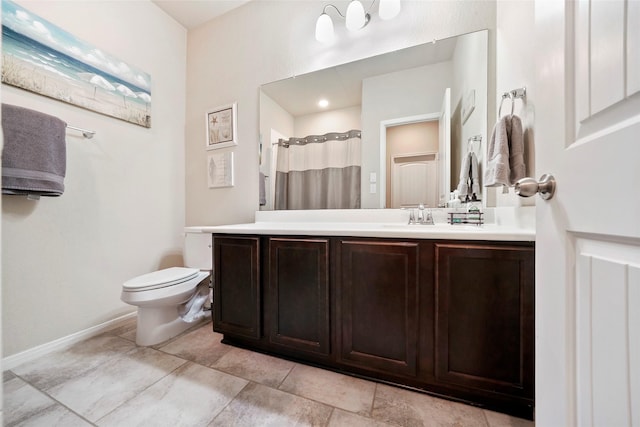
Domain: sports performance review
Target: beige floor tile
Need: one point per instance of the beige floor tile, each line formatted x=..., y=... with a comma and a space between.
x=24, y=405
x=108, y=386
x=341, y=418
x=190, y=396
x=201, y=345
x=258, y=405
x=55, y=368
x=109, y=379
x=341, y=391
x=254, y=366
x=405, y=408
x=496, y=419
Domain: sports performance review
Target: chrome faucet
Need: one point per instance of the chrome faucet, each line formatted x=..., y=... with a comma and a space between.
x=420, y=213
x=424, y=216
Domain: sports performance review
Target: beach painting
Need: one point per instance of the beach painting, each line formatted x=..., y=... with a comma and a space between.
x=40, y=57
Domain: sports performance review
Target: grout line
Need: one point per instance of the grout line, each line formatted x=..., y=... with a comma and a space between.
x=55, y=401
x=286, y=376
x=333, y=411
x=373, y=400
x=231, y=401
x=144, y=389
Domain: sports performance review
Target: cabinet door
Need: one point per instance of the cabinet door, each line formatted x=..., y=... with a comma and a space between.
x=298, y=298
x=237, y=286
x=485, y=317
x=378, y=305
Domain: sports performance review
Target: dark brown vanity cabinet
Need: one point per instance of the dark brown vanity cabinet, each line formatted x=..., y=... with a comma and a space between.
x=484, y=320
x=297, y=295
x=377, y=311
x=455, y=318
x=237, y=307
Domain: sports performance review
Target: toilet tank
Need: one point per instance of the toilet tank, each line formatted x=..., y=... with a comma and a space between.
x=198, y=252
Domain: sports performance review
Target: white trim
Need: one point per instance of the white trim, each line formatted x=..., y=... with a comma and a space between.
x=383, y=146
x=17, y=359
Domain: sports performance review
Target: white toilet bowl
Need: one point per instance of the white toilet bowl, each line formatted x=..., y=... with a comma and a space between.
x=166, y=298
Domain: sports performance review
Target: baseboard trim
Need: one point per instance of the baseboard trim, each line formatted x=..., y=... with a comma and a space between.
x=14, y=360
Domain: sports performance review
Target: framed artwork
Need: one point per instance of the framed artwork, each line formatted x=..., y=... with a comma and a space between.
x=221, y=127
x=40, y=57
x=220, y=170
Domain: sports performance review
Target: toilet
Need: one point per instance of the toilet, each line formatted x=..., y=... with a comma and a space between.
x=169, y=301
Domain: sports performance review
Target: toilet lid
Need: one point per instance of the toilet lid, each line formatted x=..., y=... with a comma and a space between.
x=160, y=279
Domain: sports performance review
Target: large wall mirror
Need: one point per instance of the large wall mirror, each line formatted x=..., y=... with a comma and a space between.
x=394, y=129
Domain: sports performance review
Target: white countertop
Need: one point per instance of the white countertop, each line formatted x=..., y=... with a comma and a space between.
x=386, y=223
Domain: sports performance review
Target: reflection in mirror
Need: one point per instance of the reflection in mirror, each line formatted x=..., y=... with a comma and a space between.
x=395, y=129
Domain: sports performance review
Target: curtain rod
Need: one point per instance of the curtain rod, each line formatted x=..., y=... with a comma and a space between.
x=340, y=136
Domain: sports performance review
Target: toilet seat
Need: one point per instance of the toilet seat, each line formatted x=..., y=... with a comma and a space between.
x=160, y=279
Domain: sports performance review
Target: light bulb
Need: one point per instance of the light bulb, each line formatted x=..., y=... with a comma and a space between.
x=324, y=28
x=389, y=9
x=355, y=16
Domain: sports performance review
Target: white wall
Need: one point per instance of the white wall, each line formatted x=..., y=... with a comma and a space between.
x=64, y=259
x=338, y=120
x=264, y=41
x=277, y=119
x=515, y=68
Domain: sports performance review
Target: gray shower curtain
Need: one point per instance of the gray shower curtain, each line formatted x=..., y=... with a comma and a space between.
x=319, y=172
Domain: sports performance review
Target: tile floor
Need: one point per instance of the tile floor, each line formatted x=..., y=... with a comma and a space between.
x=195, y=380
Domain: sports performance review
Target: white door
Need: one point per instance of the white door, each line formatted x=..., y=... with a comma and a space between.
x=444, y=147
x=588, y=236
x=414, y=180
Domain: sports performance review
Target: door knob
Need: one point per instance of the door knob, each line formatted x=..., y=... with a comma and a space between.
x=527, y=187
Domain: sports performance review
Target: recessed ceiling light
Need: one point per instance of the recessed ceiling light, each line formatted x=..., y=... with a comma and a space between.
x=323, y=103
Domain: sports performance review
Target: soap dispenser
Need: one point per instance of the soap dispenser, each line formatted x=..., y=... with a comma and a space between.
x=454, y=201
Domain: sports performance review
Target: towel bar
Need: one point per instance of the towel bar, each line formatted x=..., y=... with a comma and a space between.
x=85, y=132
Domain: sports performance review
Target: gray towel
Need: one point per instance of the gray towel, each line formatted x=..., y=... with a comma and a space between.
x=34, y=159
x=262, y=193
x=517, y=169
x=505, y=153
x=469, y=181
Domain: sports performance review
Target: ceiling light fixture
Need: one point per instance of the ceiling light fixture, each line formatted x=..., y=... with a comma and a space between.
x=323, y=103
x=356, y=17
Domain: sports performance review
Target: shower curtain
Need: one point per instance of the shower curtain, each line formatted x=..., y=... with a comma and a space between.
x=319, y=172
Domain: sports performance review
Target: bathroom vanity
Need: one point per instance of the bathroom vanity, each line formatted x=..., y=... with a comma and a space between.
x=444, y=309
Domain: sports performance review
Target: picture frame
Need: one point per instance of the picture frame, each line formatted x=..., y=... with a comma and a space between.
x=221, y=127
x=45, y=59
x=220, y=170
